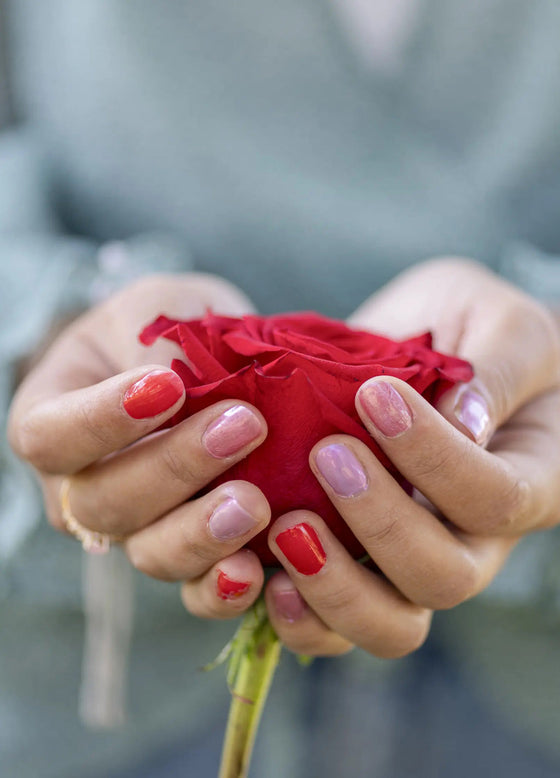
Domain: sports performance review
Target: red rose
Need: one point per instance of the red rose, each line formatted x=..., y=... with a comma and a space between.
x=302, y=372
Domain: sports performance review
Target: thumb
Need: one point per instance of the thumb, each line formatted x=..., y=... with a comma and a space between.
x=515, y=358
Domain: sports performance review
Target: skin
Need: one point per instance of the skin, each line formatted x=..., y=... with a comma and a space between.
x=435, y=551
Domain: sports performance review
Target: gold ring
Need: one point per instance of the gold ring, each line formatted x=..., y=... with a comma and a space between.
x=92, y=542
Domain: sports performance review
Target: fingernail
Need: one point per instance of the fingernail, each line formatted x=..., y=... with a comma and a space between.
x=153, y=394
x=302, y=548
x=229, y=520
x=471, y=409
x=340, y=468
x=289, y=604
x=231, y=431
x=385, y=407
x=228, y=589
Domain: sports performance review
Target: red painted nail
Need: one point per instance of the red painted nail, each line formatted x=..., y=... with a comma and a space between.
x=302, y=548
x=228, y=589
x=153, y=394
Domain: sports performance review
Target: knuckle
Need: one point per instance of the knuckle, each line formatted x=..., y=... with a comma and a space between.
x=177, y=467
x=341, y=599
x=384, y=533
x=433, y=464
x=100, y=434
x=457, y=588
x=516, y=503
x=413, y=636
x=26, y=440
x=511, y=509
x=196, y=548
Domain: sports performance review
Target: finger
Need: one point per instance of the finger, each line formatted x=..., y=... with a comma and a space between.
x=65, y=433
x=476, y=490
x=511, y=340
x=299, y=629
x=227, y=589
x=128, y=491
x=528, y=443
x=351, y=600
x=418, y=553
x=185, y=543
x=514, y=347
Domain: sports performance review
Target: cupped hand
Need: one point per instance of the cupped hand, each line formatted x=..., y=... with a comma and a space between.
x=90, y=412
x=485, y=466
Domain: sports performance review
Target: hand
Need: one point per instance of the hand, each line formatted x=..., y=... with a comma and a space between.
x=446, y=545
x=90, y=410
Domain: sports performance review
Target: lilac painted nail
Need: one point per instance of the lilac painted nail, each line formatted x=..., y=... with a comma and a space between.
x=340, y=468
x=385, y=407
x=230, y=520
x=231, y=431
x=471, y=409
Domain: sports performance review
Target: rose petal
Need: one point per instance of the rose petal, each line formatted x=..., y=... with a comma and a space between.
x=302, y=371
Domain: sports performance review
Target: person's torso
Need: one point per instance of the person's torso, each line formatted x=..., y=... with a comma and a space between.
x=252, y=130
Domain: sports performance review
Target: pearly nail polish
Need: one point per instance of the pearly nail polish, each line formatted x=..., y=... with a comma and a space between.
x=340, y=468
x=385, y=407
x=231, y=431
x=471, y=409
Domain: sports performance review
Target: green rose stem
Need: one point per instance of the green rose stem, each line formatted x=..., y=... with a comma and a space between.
x=253, y=654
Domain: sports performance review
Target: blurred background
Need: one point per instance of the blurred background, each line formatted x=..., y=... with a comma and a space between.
x=308, y=151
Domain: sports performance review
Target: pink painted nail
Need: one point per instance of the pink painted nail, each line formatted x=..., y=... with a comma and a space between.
x=231, y=431
x=340, y=468
x=472, y=411
x=289, y=604
x=385, y=407
x=230, y=520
